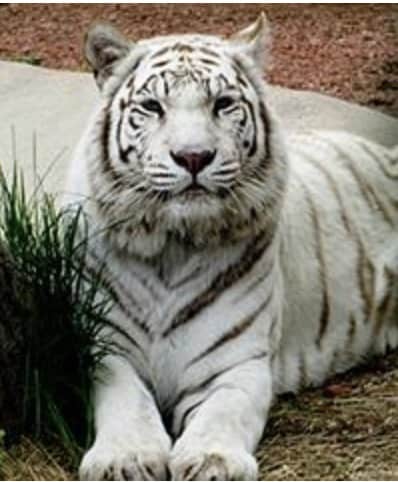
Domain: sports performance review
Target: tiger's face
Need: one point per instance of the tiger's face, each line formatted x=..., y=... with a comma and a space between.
x=186, y=119
x=185, y=131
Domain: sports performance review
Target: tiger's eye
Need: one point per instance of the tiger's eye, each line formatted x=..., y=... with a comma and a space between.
x=223, y=103
x=153, y=106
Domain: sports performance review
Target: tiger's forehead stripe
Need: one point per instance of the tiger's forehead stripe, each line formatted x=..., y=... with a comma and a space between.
x=160, y=52
x=190, y=46
x=207, y=51
x=186, y=63
x=160, y=63
x=183, y=48
x=208, y=61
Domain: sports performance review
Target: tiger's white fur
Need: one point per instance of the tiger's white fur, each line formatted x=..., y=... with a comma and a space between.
x=282, y=273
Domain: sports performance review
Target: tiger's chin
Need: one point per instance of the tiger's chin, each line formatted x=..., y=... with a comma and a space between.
x=191, y=208
x=203, y=220
x=194, y=192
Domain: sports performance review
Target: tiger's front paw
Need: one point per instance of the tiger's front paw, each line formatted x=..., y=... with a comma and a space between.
x=206, y=463
x=109, y=461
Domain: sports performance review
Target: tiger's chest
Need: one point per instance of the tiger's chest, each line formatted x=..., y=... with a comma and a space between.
x=189, y=315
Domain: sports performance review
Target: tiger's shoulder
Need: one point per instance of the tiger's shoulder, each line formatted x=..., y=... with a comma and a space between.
x=349, y=181
x=342, y=154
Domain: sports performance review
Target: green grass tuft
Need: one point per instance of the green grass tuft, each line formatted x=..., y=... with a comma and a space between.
x=64, y=340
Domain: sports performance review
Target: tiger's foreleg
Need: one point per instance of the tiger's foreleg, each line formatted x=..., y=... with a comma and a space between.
x=221, y=435
x=131, y=442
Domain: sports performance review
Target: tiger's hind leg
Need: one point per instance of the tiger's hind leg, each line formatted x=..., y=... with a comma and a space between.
x=131, y=442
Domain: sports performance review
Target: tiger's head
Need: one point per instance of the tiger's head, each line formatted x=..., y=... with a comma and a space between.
x=188, y=146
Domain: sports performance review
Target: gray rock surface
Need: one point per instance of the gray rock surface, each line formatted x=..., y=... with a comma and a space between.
x=53, y=106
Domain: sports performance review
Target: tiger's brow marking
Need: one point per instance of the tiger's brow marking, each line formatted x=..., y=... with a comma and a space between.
x=209, y=61
x=160, y=52
x=209, y=52
x=145, y=86
x=161, y=63
x=183, y=48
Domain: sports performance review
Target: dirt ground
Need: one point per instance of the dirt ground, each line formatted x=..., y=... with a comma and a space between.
x=348, y=429
x=346, y=50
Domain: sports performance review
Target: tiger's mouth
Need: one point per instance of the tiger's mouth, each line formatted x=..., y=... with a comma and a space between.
x=194, y=191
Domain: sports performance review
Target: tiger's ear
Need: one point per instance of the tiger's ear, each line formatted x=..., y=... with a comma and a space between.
x=104, y=47
x=254, y=40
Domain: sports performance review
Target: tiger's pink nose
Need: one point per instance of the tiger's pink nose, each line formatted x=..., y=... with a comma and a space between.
x=193, y=161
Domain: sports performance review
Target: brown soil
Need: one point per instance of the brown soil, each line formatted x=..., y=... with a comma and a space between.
x=346, y=50
x=347, y=430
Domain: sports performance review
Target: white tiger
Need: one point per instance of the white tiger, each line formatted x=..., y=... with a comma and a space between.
x=244, y=264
